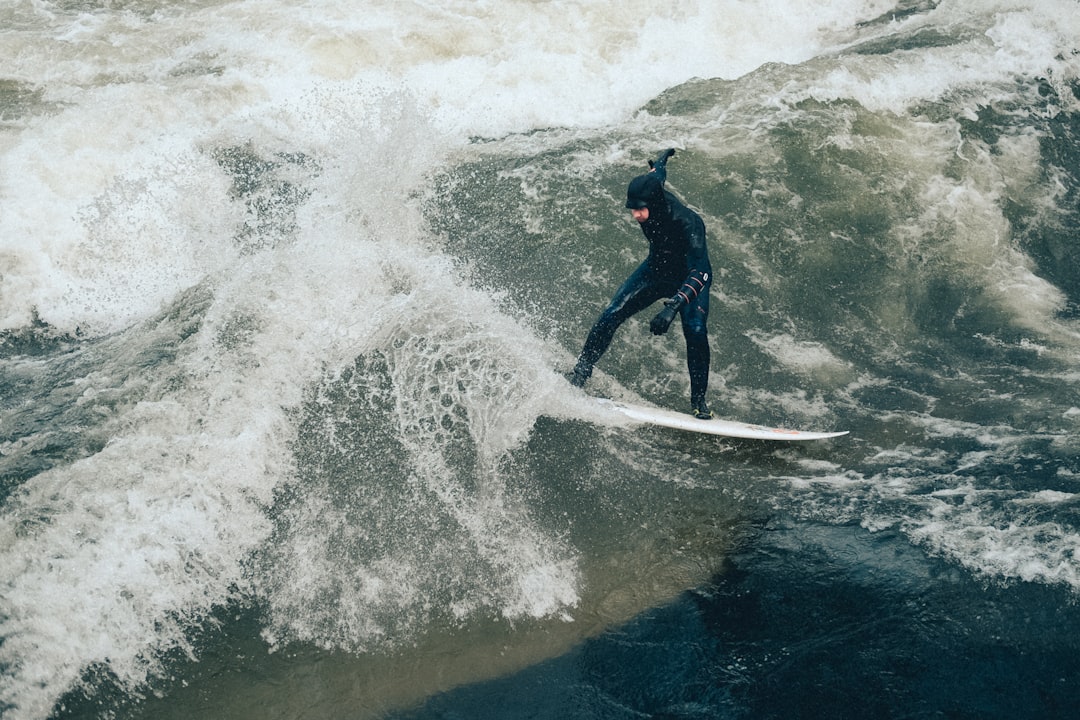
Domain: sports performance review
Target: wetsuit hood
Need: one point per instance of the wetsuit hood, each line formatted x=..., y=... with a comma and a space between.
x=645, y=191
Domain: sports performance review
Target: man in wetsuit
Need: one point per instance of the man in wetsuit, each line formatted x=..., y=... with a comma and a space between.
x=677, y=268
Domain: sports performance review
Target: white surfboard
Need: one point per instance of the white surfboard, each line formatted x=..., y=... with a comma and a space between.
x=715, y=426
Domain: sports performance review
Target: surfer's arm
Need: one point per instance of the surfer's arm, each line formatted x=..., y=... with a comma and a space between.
x=659, y=166
x=691, y=288
x=686, y=295
x=697, y=259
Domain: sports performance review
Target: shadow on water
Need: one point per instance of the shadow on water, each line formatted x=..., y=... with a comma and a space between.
x=812, y=621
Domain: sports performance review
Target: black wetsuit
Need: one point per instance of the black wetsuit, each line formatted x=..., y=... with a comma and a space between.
x=677, y=267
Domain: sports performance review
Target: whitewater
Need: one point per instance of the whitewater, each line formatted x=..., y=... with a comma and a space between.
x=287, y=291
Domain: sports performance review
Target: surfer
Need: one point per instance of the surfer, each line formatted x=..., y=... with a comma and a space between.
x=677, y=268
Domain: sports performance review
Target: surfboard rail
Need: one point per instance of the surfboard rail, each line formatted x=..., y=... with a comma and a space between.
x=716, y=426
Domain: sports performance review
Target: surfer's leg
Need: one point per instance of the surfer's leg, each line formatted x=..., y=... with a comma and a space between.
x=694, y=319
x=638, y=292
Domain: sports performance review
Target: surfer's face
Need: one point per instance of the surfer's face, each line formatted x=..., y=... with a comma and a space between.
x=640, y=214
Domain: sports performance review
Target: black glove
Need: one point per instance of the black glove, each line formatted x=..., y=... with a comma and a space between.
x=662, y=321
x=662, y=158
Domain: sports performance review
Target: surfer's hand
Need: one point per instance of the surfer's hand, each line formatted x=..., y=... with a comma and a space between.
x=662, y=321
x=661, y=159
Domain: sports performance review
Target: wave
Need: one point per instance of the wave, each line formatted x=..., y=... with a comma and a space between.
x=295, y=314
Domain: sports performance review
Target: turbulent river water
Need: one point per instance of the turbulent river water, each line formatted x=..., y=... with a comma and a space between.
x=287, y=295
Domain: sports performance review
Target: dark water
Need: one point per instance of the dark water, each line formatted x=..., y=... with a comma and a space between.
x=811, y=621
x=284, y=431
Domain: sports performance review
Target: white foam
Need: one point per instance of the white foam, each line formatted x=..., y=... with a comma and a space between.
x=1047, y=497
x=1037, y=552
x=1025, y=41
x=453, y=367
x=93, y=196
x=804, y=356
x=112, y=559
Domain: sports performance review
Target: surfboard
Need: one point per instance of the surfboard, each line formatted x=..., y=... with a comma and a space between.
x=715, y=426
